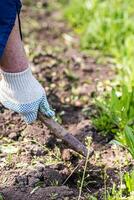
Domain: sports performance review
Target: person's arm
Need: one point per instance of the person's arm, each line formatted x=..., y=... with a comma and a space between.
x=19, y=90
x=14, y=57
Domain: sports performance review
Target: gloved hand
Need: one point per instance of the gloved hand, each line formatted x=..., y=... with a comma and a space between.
x=22, y=93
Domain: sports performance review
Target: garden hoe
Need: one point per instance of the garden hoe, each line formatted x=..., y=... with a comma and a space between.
x=63, y=134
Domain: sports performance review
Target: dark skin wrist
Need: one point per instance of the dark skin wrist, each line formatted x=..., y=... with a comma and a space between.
x=14, y=58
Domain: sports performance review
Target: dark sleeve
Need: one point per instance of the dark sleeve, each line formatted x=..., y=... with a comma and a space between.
x=8, y=12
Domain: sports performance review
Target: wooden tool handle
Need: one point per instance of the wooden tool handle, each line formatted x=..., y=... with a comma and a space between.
x=63, y=134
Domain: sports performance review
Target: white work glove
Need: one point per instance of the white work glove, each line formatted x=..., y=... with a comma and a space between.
x=22, y=93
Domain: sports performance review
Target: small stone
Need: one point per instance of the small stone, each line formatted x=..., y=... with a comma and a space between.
x=37, y=151
x=40, y=168
x=66, y=154
x=40, y=176
x=65, y=171
x=13, y=136
x=23, y=189
x=21, y=180
x=33, y=181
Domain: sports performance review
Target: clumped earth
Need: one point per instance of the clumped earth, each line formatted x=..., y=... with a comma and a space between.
x=33, y=163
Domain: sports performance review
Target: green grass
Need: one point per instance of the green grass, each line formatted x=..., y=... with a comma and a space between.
x=106, y=26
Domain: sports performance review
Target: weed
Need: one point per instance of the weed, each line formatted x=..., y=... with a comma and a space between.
x=115, y=112
x=129, y=181
x=88, y=143
x=1, y=198
x=126, y=140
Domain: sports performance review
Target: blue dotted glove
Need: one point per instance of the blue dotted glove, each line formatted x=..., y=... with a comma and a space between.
x=22, y=93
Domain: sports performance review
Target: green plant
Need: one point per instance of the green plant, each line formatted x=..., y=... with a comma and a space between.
x=1, y=198
x=104, y=24
x=90, y=197
x=88, y=144
x=115, y=111
x=129, y=140
x=114, y=194
x=129, y=181
x=126, y=139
